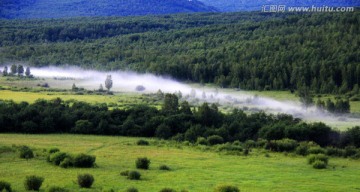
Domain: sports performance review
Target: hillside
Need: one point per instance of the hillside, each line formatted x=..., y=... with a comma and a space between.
x=247, y=50
x=256, y=5
x=25, y=9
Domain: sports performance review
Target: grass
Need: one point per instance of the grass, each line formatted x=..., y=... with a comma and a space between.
x=192, y=169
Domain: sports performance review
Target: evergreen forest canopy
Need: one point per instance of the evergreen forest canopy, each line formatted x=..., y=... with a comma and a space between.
x=28, y=9
x=258, y=51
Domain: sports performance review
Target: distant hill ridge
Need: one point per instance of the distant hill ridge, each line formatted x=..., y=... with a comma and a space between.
x=12, y=9
x=255, y=5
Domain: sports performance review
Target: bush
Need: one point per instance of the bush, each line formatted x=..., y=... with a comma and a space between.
x=318, y=157
x=167, y=190
x=215, y=139
x=331, y=151
x=302, y=150
x=33, y=183
x=54, y=150
x=226, y=188
x=142, y=163
x=350, y=151
x=26, y=152
x=85, y=180
x=57, y=189
x=201, y=141
x=316, y=150
x=124, y=173
x=142, y=142
x=58, y=157
x=67, y=162
x=5, y=186
x=84, y=161
x=283, y=145
x=319, y=164
x=164, y=167
x=134, y=175
x=132, y=189
x=250, y=144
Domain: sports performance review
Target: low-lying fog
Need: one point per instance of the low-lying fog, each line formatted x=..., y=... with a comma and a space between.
x=128, y=81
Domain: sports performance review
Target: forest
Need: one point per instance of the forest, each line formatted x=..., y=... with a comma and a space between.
x=177, y=121
x=253, y=51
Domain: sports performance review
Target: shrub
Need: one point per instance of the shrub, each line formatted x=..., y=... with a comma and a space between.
x=67, y=162
x=54, y=150
x=142, y=163
x=142, y=142
x=84, y=161
x=33, y=183
x=283, y=145
x=167, y=190
x=164, y=167
x=57, y=189
x=215, y=139
x=201, y=141
x=5, y=186
x=319, y=164
x=58, y=157
x=316, y=150
x=132, y=189
x=302, y=150
x=226, y=188
x=331, y=151
x=124, y=173
x=85, y=180
x=26, y=152
x=350, y=151
x=318, y=157
x=134, y=175
x=237, y=143
x=250, y=144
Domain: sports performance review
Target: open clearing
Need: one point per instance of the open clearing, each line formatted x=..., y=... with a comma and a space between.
x=192, y=168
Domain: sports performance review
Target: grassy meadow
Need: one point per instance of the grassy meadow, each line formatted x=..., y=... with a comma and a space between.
x=192, y=168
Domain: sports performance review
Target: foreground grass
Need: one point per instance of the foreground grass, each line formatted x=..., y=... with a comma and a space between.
x=192, y=169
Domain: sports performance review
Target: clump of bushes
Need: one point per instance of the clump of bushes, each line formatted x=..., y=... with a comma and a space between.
x=142, y=142
x=167, y=190
x=85, y=180
x=164, y=168
x=26, y=152
x=316, y=150
x=230, y=147
x=318, y=161
x=84, y=161
x=33, y=183
x=226, y=188
x=66, y=160
x=53, y=150
x=215, y=139
x=142, y=163
x=57, y=189
x=283, y=145
x=5, y=186
x=134, y=175
x=132, y=189
x=201, y=141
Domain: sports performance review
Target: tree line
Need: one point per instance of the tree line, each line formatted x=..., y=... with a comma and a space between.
x=178, y=121
x=256, y=51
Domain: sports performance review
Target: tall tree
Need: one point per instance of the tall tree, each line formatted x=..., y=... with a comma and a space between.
x=20, y=70
x=27, y=72
x=13, y=69
x=5, y=71
x=305, y=95
x=171, y=104
x=108, y=83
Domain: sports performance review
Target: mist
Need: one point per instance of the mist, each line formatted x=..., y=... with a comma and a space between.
x=127, y=81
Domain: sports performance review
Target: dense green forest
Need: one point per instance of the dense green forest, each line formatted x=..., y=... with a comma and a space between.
x=175, y=120
x=27, y=9
x=256, y=51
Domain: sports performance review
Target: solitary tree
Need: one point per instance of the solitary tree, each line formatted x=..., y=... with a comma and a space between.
x=306, y=97
x=20, y=70
x=13, y=69
x=27, y=72
x=108, y=83
x=5, y=71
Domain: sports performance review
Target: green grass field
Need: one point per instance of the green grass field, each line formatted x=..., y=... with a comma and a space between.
x=192, y=169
